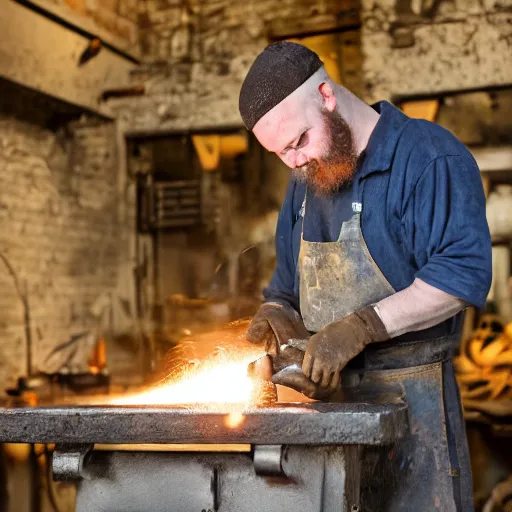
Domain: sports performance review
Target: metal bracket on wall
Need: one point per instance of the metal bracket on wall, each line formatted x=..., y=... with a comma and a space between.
x=68, y=461
x=267, y=460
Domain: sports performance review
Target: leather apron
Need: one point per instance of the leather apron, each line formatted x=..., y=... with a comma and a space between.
x=429, y=469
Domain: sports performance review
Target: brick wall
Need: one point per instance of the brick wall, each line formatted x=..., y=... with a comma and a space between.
x=60, y=231
x=421, y=47
x=196, y=55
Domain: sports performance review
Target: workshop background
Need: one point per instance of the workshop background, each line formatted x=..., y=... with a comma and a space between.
x=136, y=210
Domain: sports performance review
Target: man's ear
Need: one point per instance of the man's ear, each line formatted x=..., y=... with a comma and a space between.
x=328, y=98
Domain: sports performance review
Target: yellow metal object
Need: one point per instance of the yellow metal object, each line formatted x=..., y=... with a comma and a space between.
x=211, y=148
x=208, y=150
x=233, y=145
x=326, y=46
x=98, y=359
x=484, y=366
x=19, y=452
x=174, y=447
x=424, y=109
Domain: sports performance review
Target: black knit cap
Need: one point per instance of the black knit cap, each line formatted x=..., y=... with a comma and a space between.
x=278, y=71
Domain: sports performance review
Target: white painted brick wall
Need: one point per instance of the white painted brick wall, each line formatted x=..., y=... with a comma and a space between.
x=60, y=231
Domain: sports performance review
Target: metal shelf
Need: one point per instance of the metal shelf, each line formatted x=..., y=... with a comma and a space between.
x=492, y=160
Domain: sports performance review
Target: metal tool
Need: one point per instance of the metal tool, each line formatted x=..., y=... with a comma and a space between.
x=300, y=344
x=287, y=369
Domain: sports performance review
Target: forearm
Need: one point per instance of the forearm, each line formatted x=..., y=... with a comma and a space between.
x=417, y=307
x=281, y=288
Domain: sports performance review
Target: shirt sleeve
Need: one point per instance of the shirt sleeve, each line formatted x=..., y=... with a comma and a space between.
x=281, y=287
x=448, y=228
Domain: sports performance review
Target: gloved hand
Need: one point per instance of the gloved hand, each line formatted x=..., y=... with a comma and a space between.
x=331, y=348
x=274, y=324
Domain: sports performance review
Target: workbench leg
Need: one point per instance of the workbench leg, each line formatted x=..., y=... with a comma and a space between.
x=342, y=478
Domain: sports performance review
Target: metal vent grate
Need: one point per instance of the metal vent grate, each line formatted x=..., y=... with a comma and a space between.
x=176, y=204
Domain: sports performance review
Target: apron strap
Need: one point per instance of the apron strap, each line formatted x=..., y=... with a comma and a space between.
x=405, y=354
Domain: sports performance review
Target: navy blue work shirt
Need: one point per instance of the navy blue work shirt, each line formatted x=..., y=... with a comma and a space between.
x=423, y=215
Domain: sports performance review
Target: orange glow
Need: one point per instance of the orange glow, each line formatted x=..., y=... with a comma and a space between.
x=208, y=372
x=234, y=419
x=214, y=383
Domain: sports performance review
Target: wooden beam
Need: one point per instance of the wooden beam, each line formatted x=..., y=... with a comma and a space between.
x=338, y=15
x=43, y=55
x=87, y=27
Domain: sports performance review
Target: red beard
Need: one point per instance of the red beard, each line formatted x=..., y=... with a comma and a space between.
x=326, y=175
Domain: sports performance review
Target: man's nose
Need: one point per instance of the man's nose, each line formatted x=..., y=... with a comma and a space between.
x=295, y=159
x=300, y=159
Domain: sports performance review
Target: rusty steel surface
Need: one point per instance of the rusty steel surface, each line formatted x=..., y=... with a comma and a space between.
x=374, y=419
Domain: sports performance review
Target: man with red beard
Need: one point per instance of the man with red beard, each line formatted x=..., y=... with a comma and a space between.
x=382, y=242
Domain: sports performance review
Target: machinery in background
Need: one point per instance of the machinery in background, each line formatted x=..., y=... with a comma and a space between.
x=484, y=373
x=484, y=365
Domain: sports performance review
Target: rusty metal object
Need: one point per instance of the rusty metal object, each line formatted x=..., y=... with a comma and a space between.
x=285, y=369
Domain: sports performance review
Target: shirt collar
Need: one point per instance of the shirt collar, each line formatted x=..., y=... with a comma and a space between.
x=381, y=147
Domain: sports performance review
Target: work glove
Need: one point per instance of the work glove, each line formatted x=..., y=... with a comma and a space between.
x=331, y=348
x=273, y=325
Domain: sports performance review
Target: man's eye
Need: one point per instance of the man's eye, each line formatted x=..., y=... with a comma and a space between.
x=302, y=140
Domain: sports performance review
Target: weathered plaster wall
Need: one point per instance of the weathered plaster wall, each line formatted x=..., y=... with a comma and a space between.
x=479, y=118
x=63, y=241
x=416, y=47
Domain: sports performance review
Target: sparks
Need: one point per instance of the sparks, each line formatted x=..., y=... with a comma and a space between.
x=221, y=383
x=208, y=371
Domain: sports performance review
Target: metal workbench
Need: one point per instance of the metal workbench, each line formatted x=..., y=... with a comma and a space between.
x=300, y=457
